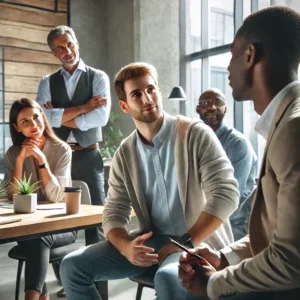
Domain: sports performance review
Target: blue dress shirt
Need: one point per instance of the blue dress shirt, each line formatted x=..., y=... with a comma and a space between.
x=243, y=159
x=159, y=180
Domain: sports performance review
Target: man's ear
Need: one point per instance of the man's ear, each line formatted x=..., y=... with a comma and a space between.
x=124, y=106
x=53, y=53
x=225, y=110
x=198, y=109
x=16, y=127
x=252, y=56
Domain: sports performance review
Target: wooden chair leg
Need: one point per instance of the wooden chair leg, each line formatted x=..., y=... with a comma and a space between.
x=18, y=281
x=139, y=291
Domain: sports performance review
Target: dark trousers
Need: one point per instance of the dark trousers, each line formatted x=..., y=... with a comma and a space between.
x=37, y=258
x=87, y=165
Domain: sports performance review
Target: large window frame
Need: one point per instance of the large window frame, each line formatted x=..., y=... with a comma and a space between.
x=206, y=52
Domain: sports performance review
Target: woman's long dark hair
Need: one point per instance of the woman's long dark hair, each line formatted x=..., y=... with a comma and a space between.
x=16, y=108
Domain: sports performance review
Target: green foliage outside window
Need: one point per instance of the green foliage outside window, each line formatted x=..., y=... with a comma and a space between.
x=112, y=137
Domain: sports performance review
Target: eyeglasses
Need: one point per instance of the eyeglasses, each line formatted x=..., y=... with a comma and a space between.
x=208, y=103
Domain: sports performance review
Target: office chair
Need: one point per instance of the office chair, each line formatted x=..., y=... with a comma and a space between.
x=56, y=254
x=144, y=280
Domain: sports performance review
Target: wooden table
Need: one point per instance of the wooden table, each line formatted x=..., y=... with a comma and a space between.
x=47, y=220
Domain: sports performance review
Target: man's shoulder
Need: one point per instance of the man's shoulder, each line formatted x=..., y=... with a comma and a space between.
x=234, y=135
x=126, y=144
x=186, y=124
x=95, y=71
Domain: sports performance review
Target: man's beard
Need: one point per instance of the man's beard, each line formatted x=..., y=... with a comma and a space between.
x=212, y=122
x=149, y=117
x=72, y=62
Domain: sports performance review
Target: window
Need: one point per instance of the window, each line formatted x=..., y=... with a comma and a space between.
x=5, y=140
x=210, y=27
x=221, y=29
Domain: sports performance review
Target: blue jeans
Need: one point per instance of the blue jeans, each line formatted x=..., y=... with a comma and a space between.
x=80, y=269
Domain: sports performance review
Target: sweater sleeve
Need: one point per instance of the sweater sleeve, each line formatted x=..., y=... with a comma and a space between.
x=117, y=209
x=215, y=169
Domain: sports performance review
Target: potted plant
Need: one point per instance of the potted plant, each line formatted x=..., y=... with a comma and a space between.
x=4, y=188
x=26, y=200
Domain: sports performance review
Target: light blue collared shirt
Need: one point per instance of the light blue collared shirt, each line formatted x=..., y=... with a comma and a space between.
x=95, y=118
x=243, y=159
x=159, y=180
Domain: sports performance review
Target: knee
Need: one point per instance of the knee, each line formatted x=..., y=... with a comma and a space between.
x=166, y=276
x=68, y=267
x=167, y=283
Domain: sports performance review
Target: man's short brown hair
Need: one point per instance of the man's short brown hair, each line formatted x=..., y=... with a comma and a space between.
x=133, y=70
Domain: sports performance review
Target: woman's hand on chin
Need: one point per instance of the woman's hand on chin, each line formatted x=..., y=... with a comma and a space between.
x=32, y=146
x=24, y=153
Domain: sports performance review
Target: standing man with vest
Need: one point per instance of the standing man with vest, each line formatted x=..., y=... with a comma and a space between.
x=76, y=100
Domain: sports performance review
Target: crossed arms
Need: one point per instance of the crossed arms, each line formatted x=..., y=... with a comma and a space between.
x=93, y=113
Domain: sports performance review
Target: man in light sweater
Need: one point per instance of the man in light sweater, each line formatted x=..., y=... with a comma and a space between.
x=265, y=264
x=212, y=109
x=175, y=175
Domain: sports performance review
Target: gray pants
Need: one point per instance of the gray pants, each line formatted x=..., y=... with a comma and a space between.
x=87, y=165
x=37, y=258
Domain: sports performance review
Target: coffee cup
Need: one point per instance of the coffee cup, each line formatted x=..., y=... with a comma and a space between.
x=72, y=197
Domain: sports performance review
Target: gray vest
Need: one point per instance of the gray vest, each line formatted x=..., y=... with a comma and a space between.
x=83, y=93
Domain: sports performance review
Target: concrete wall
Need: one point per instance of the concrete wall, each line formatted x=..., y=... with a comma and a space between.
x=88, y=21
x=113, y=33
x=158, y=40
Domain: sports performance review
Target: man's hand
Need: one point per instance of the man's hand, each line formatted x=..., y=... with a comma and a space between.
x=48, y=105
x=195, y=274
x=212, y=256
x=93, y=103
x=138, y=254
x=166, y=251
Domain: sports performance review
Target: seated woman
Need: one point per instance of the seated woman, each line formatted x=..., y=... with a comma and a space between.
x=38, y=151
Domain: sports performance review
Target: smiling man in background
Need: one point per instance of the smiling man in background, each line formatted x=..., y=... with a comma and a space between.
x=212, y=109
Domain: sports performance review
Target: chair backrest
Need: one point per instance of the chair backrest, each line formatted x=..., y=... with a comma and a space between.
x=85, y=192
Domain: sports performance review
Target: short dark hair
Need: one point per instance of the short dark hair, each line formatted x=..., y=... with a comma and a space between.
x=275, y=32
x=133, y=70
x=57, y=31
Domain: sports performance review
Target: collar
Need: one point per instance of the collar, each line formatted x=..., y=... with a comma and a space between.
x=81, y=66
x=162, y=133
x=263, y=124
x=221, y=129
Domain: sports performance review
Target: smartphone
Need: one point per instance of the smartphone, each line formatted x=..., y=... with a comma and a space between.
x=185, y=249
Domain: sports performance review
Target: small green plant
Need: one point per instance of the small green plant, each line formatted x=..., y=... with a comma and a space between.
x=24, y=187
x=112, y=137
x=4, y=188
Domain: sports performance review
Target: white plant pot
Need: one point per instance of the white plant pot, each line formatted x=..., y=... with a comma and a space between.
x=25, y=203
